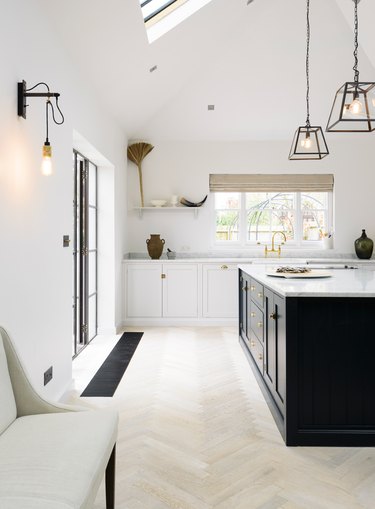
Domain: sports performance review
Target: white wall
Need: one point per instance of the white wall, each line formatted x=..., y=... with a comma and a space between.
x=183, y=169
x=35, y=211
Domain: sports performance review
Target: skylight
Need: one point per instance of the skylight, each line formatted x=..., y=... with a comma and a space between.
x=160, y=16
x=151, y=8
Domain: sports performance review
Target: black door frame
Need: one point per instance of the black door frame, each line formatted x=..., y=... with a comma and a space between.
x=81, y=253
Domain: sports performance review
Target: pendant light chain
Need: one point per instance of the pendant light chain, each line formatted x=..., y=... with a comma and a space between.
x=308, y=63
x=308, y=143
x=355, y=52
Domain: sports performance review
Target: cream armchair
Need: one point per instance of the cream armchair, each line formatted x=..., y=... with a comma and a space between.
x=52, y=456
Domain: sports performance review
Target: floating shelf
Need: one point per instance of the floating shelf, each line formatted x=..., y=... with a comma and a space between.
x=141, y=210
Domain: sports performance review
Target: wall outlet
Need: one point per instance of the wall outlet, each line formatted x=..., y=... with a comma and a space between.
x=48, y=375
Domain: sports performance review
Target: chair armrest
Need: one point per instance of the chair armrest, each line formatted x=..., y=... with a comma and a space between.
x=28, y=401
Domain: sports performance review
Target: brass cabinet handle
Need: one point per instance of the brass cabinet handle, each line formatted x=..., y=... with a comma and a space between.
x=224, y=267
x=252, y=344
x=260, y=295
x=244, y=288
x=260, y=324
x=252, y=314
x=252, y=288
x=273, y=316
x=260, y=357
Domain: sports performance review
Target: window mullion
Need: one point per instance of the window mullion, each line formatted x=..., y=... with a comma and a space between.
x=243, y=223
x=330, y=213
x=299, y=223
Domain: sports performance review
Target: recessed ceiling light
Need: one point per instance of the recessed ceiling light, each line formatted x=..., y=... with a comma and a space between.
x=211, y=107
x=153, y=68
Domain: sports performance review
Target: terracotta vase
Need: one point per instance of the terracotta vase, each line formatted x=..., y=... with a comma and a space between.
x=155, y=246
x=364, y=246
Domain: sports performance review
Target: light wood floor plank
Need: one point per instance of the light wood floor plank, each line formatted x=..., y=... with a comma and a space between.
x=196, y=433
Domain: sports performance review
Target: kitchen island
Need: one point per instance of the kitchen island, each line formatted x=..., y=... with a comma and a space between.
x=311, y=345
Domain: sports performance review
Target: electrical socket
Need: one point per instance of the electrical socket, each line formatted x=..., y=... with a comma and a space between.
x=48, y=375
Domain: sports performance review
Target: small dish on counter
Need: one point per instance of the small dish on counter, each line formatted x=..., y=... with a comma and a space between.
x=158, y=203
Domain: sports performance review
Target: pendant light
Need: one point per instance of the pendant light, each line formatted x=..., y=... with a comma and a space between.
x=353, y=109
x=308, y=142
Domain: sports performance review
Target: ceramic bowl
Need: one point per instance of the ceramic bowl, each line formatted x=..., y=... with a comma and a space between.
x=158, y=203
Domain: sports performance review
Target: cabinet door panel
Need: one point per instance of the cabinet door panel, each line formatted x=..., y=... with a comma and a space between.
x=257, y=292
x=256, y=320
x=280, y=343
x=275, y=348
x=180, y=290
x=269, y=336
x=256, y=350
x=144, y=290
x=220, y=291
x=244, y=285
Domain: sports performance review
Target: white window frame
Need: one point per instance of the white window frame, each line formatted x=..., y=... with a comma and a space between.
x=243, y=243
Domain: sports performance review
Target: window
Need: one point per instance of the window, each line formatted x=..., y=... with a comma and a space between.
x=253, y=217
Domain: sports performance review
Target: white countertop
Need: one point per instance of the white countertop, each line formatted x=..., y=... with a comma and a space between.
x=342, y=283
x=251, y=260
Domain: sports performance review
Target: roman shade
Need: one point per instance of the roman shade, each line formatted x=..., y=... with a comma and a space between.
x=225, y=182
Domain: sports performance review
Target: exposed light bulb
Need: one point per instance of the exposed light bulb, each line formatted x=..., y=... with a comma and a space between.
x=356, y=107
x=306, y=142
x=47, y=168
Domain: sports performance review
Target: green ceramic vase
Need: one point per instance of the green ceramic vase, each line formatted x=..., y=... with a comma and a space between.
x=363, y=246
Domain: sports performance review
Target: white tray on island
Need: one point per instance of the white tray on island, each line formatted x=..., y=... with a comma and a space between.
x=299, y=275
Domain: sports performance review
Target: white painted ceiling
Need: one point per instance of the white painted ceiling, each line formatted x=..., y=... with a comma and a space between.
x=247, y=60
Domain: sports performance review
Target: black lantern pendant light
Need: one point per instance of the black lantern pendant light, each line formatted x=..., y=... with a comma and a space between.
x=353, y=110
x=308, y=142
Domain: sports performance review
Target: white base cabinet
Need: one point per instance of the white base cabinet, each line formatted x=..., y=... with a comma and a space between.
x=144, y=290
x=220, y=290
x=180, y=293
x=180, y=290
x=157, y=290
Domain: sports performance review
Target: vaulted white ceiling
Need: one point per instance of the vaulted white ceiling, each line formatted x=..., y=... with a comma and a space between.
x=247, y=60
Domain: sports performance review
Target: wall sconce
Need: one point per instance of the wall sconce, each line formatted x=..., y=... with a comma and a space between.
x=23, y=93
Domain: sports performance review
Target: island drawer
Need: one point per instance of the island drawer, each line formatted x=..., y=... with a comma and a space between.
x=257, y=321
x=257, y=292
x=256, y=350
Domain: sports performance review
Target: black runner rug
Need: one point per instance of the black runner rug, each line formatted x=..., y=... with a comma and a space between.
x=106, y=379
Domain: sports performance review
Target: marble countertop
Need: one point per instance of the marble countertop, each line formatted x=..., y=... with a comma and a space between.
x=342, y=283
x=254, y=260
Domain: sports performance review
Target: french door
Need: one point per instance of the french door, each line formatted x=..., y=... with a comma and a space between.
x=85, y=252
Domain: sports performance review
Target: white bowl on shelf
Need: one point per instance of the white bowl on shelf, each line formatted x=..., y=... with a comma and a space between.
x=158, y=203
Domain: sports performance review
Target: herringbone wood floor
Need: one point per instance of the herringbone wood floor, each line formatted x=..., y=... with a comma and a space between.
x=195, y=433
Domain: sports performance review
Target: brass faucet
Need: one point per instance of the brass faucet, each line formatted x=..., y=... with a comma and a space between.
x=273, y=250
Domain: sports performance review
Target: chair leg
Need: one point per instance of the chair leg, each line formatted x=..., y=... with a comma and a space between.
x=110, y=480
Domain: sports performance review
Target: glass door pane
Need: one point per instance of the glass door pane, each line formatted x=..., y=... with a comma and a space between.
x=84, y=252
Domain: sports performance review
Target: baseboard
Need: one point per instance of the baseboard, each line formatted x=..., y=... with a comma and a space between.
x=183, y=322
x=107, y=331
x=120, y=327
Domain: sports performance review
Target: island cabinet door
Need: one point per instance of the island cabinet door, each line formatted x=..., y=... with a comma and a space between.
x=275, y=351
x=244, y=285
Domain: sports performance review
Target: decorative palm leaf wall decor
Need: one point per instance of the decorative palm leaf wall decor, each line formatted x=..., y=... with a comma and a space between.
x=136, y=153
